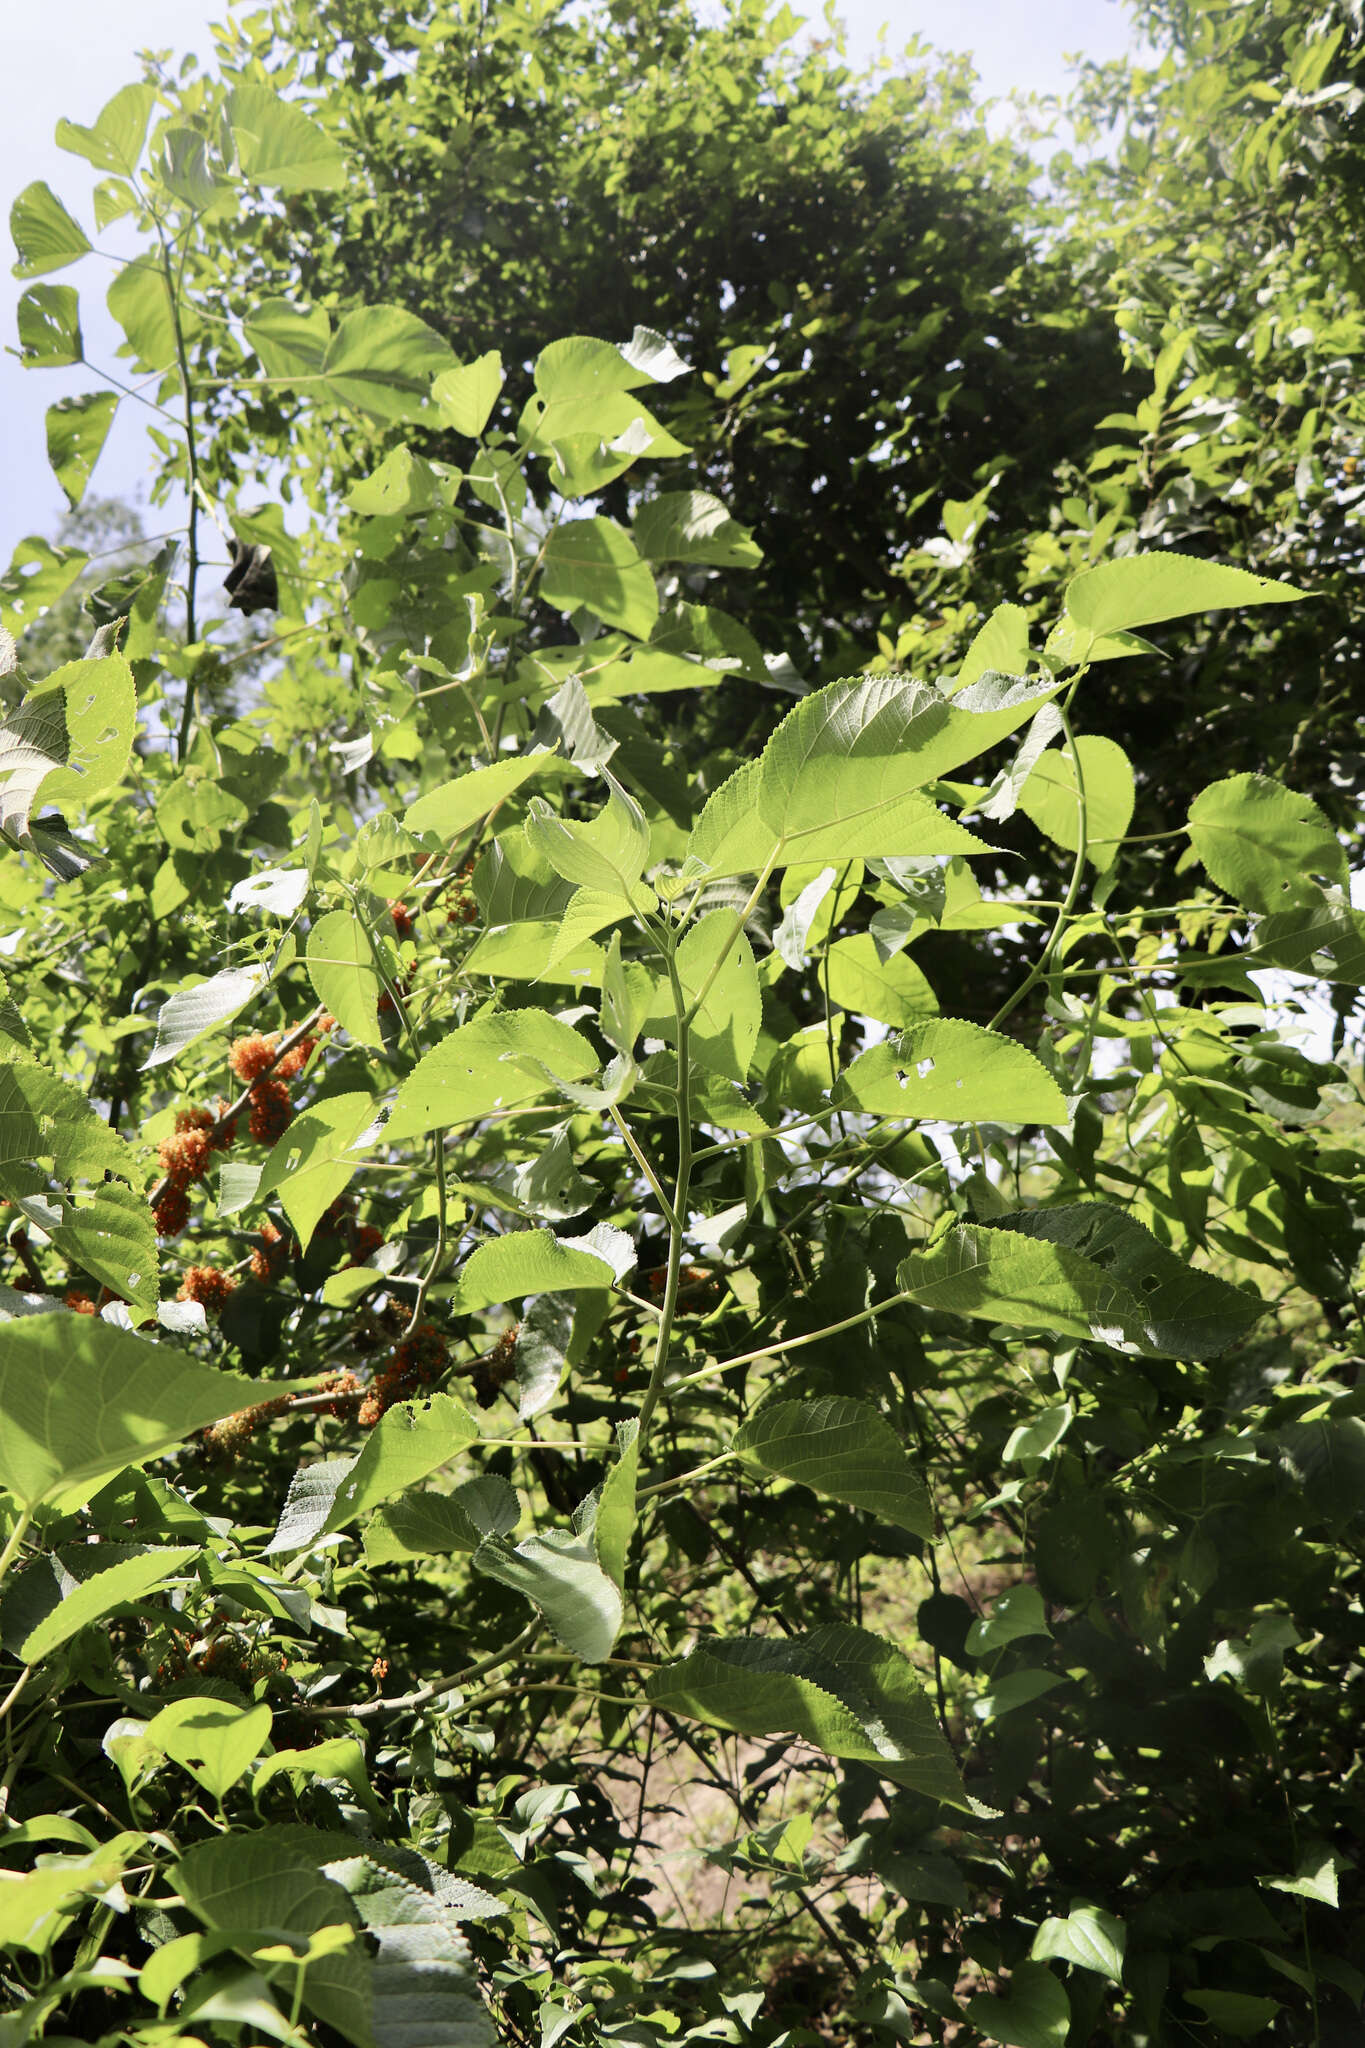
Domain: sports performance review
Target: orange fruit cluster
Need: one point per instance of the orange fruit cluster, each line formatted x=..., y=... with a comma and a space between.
x=185, y=1156
x=272, y=1254
x=415, y=1364
x=210, y=1286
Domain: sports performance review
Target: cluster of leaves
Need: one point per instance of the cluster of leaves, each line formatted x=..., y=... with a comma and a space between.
x=620, y=1327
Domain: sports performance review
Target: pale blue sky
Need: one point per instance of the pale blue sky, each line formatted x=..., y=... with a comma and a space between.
x=67, y=57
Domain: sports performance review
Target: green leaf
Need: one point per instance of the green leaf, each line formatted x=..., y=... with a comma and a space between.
x=1319, y=1867
x=122, y=1584
x=311, y=1497
x=110, y=1234
x=290, y=340
x=80, y=1399
x=193, y=1012
x=403, y=484
x=429, y=1524
x=1049, y=797
x=45, y=235
x=256, y=1887
x=314, y=1161
x=614, y=1522
x=49, y=322
x=1036, y=2013
x=692, y=526
x=725, y=1029
x=560, y=1575
x=522, y=952
x=1015, y=1615
x=182, y=164
x=842, y=1448
x=1144, y=590
x=467, y=394
x=1001, y=644
x=495, y=1063
x=850, y=1693
x=893, y=991
x=100, y=714
x=42, y=1117
x=33, y=745
x=1263, y=844
x=299, y=1883
x=77, y=429
x=1240, y=2014
x=278, y=146
x=581, y=417
x=341, y=967
x=339, y=1757
x=452, y=807
x=842, y=777
x=407, y=1444
x=1085, y=1270
x=1088, y=1937
x=140, y=302
x=526, y=1262
x=945, y=1067
x=594, y=563
x=382, y=360
x=214, y=1740
x=115, y=142
x=37, y=576
x=606, y=854
x=36, y=1905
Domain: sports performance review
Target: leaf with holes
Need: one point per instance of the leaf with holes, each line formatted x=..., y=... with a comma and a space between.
x=1264, y=844
x=315, y=1160
x=77, y=429
x=944, y=1067
x=1146, y=590
x=494, y=1063
x=45, y=235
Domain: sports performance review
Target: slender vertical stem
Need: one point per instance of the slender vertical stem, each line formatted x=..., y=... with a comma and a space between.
x=17, y=1535
x=681, y=1186
x=192, y=466
x=1044, y=960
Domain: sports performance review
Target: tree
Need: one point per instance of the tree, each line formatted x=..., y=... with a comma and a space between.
x=846, y=261
x=475, y=1361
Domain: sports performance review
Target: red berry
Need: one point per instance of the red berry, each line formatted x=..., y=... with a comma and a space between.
x=271, y=1110
x=271, y=1256
x=81, y=1303
x=171, y=1213
x=365, y=1238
